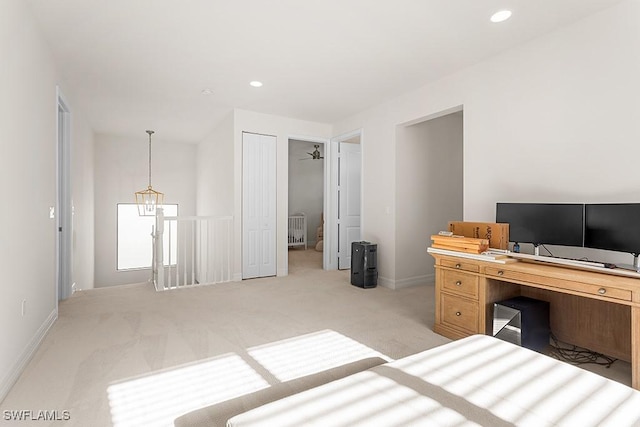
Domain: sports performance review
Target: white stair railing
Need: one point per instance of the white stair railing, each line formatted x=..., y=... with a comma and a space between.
x=191, y=250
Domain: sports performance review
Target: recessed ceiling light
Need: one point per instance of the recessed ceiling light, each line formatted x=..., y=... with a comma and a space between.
x=207, y=92
x=503, y=15
x=256, y=83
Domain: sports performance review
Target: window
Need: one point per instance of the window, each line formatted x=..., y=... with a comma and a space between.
x=134, y=245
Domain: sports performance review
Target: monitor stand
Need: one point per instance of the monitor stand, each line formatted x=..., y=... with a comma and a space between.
x=635, y=267
x=536, y=250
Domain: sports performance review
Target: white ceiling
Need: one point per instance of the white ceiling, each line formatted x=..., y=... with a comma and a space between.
x=142, y=64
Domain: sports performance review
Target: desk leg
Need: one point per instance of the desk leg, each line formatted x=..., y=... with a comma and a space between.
x=635, y=347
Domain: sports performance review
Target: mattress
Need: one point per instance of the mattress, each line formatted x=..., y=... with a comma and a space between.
x=479, y=380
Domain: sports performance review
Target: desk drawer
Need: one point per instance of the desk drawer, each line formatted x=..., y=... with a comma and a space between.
x=462, y=283
x=606, y=292
x=460, y=265
x=459, y=312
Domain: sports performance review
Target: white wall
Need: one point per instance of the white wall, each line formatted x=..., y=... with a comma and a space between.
x=121, y=169
x=429, y=192
x=306, y=184
x=283, y=128
x=553, y=120
x=82, y=198
x=215, y=171
x=28, y=142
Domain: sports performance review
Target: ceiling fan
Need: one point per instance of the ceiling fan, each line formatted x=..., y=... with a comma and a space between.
x=315, y=155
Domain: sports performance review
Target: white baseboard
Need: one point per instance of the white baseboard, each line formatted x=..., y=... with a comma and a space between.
x=386, y=282
x=237, y=277
x=427, y=279
x=27, y=354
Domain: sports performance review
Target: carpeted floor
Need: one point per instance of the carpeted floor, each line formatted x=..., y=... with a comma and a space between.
x=105, y=337
x=129, y=356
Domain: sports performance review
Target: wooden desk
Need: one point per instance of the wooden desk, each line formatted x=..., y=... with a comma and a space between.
x=594, y=310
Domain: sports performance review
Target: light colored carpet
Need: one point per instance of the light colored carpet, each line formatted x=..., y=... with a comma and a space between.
x=129, y=356
x=105, y=337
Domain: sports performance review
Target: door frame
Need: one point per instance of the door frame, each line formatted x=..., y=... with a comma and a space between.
x=331, y=220
x=64, y=205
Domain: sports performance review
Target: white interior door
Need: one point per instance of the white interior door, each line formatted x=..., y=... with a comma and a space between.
x=258, y=205
x=349, y=187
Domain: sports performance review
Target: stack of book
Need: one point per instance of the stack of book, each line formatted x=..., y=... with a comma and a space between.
x=460, y=244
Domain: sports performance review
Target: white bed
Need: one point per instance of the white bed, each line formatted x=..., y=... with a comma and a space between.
x=478, y=380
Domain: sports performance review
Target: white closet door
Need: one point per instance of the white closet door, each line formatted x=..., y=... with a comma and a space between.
x=258, y=205
x=349, y=165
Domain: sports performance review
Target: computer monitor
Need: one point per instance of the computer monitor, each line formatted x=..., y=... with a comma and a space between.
x=613, y=226
x=543, y=223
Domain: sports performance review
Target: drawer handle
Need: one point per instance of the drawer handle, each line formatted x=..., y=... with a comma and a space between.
x=458, y=313
x=458, y=266
x=500, y=273
x=602, y=291
x=458, y=283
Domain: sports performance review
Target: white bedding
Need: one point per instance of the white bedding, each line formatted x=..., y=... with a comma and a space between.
x=478, y=380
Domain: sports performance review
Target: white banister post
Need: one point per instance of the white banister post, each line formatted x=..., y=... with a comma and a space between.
x=153, y=256
x=159, y=250
x=229, y=247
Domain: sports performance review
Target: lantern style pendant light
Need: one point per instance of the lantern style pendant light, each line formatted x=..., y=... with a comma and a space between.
x=148, y=199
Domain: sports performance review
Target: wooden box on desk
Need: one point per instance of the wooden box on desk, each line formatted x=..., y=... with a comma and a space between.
x=496, y=233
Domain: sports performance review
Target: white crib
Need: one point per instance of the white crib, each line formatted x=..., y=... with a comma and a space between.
x=298, y=230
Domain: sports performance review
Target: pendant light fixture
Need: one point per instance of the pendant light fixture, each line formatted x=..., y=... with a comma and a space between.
x=148, y=199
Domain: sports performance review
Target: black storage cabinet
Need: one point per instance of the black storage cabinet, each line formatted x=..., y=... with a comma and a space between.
x=364, y=264
x=523, y=321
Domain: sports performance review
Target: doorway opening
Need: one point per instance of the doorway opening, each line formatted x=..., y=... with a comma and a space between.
x=306, y=201
x=429, y=190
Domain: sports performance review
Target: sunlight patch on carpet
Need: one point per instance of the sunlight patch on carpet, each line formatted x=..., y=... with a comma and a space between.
x=158, y=399
x=308, y=354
